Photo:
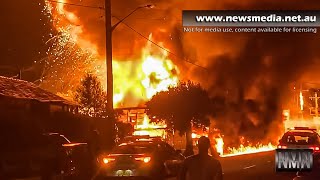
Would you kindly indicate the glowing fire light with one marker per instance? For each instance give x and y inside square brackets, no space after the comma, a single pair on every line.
[148,128]
[219,145]
[73,54]
[152,73]
[250,149]
[194,135]
[301,101]
[242,149]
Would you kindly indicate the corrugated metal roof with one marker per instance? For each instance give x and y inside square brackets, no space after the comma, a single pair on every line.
[20,89]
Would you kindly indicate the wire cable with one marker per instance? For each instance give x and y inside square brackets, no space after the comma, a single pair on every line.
[188,61]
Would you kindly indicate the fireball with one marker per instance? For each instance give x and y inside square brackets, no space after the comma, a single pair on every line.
[73,54]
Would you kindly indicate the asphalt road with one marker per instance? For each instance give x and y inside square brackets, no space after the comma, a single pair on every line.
[255,166]
[258,166]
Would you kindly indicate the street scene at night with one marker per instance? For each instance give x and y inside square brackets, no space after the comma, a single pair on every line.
[159,89]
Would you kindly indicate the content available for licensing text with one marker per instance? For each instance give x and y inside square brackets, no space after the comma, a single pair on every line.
[252,29]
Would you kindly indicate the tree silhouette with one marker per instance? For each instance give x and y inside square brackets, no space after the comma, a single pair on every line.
[181,107]
[91,96]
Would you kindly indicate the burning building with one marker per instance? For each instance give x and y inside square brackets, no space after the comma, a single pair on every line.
[302,110]
[141,122]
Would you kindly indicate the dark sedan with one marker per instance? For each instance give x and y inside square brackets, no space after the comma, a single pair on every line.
[145,158]
[33,155]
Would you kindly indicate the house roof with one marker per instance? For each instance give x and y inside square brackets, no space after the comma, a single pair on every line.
[20,89]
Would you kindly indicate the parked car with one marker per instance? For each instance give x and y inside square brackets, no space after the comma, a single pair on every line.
[77,152]
[301,138]
[24,155]
[151,158]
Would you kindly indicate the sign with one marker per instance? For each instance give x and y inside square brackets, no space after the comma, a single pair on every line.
[292,160]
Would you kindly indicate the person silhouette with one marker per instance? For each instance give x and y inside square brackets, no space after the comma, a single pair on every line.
[201,166]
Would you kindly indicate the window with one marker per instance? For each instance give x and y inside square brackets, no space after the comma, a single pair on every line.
[300,138]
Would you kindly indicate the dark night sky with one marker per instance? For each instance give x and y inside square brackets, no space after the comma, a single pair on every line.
[22,35]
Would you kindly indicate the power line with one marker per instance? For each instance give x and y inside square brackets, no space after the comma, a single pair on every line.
[79,5]
[162,47]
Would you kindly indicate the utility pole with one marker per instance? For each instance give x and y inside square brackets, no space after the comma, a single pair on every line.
[109,58]
[109,30]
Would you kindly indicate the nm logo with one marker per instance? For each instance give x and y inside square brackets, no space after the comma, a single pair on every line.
[294,160]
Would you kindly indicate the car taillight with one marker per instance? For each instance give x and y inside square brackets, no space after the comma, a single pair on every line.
[107,160]
[282,147]
[315,148]
[144,159]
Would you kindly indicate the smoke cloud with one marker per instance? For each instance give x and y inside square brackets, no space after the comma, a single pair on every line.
[251,72]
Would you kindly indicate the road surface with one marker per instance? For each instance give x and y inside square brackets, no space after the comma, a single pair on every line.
[257,166]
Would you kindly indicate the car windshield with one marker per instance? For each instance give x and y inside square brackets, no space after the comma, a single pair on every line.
[300,138]
[137,148]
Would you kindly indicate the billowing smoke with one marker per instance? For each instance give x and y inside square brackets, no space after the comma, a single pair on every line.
[247,73]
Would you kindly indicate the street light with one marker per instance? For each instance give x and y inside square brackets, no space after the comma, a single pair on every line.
[109,29]
[140,7]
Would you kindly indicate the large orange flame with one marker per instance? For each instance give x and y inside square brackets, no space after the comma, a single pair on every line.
[249,149]
[147,128]
[152,73]
[219,145]
[135,80]
[301,101]
[242,149]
